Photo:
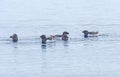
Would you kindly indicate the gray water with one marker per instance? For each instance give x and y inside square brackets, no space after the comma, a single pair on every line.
[78,57]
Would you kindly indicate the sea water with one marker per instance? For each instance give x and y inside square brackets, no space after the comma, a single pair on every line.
[77,57]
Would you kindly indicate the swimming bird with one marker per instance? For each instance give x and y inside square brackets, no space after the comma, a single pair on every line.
[90,34]
[14,37]
[44,39]
[64,36]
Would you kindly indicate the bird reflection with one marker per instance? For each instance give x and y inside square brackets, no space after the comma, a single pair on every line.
[43,46]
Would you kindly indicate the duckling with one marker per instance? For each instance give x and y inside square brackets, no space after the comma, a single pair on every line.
[89,34]
[44,39]
[14,37]
[64,36]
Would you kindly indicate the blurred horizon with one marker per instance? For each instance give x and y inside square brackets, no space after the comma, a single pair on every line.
[63,11]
